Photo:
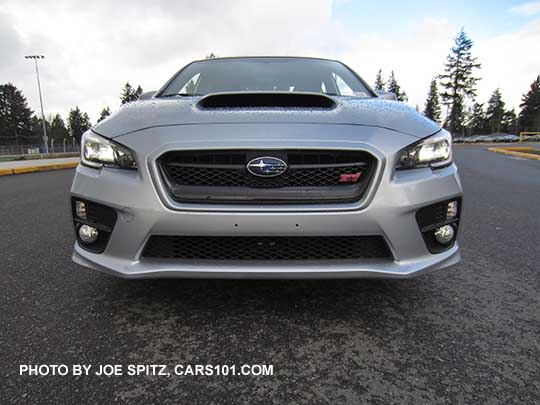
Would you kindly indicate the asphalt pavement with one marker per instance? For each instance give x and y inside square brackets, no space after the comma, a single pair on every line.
[469,334]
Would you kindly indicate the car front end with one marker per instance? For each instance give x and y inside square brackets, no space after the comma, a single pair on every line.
[266,185]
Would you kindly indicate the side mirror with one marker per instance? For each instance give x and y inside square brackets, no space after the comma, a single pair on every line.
[386,95]
[147,95]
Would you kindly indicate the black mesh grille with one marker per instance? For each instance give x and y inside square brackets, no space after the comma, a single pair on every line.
[267,248]
[313,177]
[192,175]
[434,214]
[100,214]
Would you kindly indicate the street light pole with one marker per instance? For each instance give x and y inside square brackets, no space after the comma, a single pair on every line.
[45,139]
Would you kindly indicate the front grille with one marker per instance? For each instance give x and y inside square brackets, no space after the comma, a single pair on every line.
[221,175]
[267,248]
[212,177]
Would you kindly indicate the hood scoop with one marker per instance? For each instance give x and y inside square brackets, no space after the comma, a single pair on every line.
[256,100]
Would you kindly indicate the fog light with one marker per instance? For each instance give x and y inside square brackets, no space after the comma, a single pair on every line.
[88,234]
[451,210]
[80,210]
[444,234]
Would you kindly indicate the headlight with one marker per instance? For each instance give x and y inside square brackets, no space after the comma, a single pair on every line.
[97,151]
[435,151]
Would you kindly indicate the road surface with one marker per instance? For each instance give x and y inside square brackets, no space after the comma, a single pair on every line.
[465,335]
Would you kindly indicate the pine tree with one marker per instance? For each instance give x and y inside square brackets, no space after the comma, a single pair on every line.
[138,92]
[432,109]
[529,116]
[210,56]
[104,114]
[393,87]
[15,116]
[78,123]
[495,111]
[458,81]
[129,94]
[58,130]
[379,81]
[477,120]
[456,119]
[509,122]
[37,130]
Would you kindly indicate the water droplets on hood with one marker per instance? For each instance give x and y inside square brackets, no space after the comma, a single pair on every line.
[388,114]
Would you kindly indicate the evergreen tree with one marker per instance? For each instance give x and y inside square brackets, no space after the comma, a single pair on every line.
[458,81]
[138,92]
[432,110]
[529,116]
[495,112]
[15,116]
[379,81]
[104,114]
[37,130]
[477,120]
[456,119]
[58,130]
[210,56]
[394,87]
[78,123]
[509,122]
[130,94]
[127,94]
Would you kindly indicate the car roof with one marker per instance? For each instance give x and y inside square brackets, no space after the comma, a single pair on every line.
[264,57]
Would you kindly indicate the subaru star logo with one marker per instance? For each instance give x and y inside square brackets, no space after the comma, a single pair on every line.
[266,166]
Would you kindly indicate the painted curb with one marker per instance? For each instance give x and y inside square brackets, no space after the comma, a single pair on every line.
[493,144]
[40,168]
[514,152]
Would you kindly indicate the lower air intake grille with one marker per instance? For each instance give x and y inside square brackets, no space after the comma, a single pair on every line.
[267,248]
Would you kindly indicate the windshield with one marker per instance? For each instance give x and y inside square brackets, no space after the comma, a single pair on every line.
[266,74]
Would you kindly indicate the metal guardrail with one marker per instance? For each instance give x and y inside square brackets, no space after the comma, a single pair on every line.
[35,149]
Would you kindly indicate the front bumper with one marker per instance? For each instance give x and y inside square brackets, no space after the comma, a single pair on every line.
[142,212]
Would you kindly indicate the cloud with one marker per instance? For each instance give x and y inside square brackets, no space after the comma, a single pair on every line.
[508,63]
[527,9]
[92,49]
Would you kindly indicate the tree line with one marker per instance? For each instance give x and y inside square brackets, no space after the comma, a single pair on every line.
[19,125]
[455,90]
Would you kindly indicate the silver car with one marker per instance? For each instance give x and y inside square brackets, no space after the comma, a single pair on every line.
[266,167]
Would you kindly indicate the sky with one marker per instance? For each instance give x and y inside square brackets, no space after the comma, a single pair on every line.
[92,48]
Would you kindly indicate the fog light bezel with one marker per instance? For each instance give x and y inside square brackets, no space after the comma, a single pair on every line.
[98,216]
[433,216]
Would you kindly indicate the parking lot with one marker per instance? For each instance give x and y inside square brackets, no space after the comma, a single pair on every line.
[469,334]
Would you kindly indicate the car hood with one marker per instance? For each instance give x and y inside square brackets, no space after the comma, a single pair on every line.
[373,112]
